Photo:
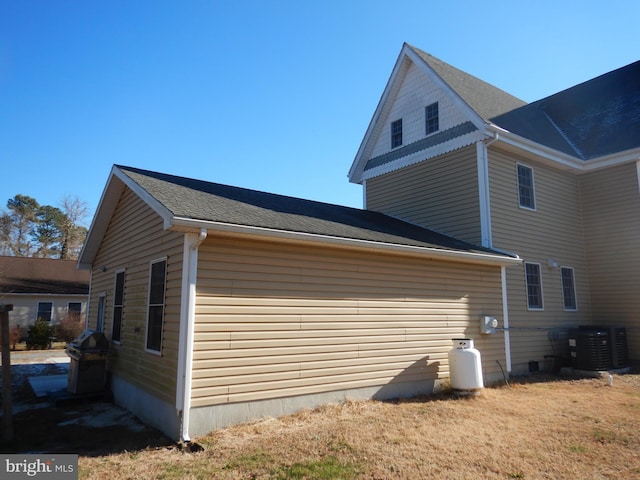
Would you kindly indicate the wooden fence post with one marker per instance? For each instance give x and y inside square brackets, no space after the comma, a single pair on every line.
[7,401]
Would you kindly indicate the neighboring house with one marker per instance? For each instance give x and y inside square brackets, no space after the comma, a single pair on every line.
[225,304]
[554,181]
[42,288]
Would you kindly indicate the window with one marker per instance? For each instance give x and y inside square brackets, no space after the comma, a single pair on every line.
[157,275]
[102,307]
[568,289]
[118,302]
[396,133]
[525,187]
[45,309]
[74,310]
[534,286]
[431,118]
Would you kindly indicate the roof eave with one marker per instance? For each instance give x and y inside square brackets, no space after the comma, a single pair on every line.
[188,224]
[116,183]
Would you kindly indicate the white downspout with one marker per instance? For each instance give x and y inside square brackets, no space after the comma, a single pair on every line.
[505,319]
[482,159]
[187,328]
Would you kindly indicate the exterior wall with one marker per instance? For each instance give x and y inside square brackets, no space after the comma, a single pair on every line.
[281,321]
[25,307]
[611,203]
[553,231]
[415,92]
[134,238]
[440,193]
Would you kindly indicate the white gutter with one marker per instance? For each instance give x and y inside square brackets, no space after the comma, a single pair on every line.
[428,252]
[187,327]
[505,319]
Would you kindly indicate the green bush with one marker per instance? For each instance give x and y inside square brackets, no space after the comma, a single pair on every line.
[39,335]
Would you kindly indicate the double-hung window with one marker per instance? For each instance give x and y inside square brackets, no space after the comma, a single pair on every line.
[45,311]
[431,118]
[396,133]
[568,289]
[155,315]
[526,192]
[534,286]
[118,307]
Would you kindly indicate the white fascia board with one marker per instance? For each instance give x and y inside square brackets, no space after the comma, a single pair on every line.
[558,158]
[536,148]
[154,204]
[456,99]
[110,196]
[188,224]
[359,162]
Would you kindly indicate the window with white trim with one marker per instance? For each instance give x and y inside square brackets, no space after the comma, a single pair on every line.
[102,308]
[45,311]
[526,193]
[534,286]
[568,289]
[396,133]
[118,307]
[155,313]
[431,118]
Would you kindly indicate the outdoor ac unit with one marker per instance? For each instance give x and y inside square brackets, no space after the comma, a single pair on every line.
[618,351]
[589,349]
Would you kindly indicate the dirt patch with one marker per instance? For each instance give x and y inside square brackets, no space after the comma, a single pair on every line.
[86,426]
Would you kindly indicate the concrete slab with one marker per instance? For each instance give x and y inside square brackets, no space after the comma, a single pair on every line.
[45,384]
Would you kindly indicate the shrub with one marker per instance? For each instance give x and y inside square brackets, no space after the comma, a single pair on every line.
[69,327]
[15,334]
[39,335]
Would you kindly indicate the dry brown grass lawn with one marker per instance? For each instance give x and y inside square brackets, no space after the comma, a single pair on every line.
[556,429]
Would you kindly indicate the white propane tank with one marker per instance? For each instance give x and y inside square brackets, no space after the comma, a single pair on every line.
[465,367]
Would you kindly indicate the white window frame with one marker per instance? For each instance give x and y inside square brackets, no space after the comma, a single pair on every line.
[526,281]
[573,285]
[50,320]
[149,305]
[533,187]
[116,305]
[401,123]
[426,118]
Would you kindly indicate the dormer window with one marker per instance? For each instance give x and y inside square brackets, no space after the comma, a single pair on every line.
[396,133]
[431,118]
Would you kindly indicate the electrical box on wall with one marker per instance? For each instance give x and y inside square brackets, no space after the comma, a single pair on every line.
[488,324]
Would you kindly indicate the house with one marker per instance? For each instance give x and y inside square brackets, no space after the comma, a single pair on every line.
[224,304]
[42,288]
[555,181]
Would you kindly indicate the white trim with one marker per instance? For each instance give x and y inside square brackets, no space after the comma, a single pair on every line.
[187,329]
[427,252]
[533,187]
[483,194]
[505,318]
[638,174]
[364,192]
[164,306]
[431,152]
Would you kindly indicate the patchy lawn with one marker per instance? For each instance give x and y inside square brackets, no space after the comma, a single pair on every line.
[541,428]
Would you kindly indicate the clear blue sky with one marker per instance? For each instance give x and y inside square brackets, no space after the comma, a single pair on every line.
[270,95]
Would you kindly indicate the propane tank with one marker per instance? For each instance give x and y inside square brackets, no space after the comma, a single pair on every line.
[465,368]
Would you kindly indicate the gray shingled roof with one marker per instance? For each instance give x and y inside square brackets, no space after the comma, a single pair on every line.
[42,276]
[592,119]
[213,202]
[485,99]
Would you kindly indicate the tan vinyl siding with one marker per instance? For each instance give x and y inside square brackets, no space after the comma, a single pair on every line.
[280,320]
[612,229]
[440,193]
[134,238]
[553,231]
